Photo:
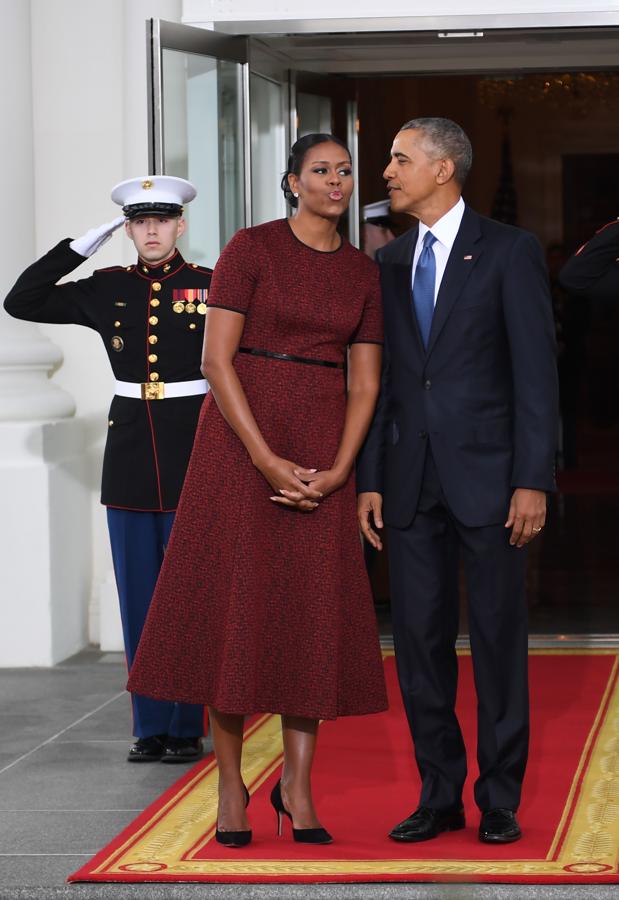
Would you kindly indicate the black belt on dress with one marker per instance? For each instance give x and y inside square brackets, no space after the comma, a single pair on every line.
[288,357]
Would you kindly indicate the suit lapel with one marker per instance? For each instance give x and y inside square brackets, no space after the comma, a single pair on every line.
[401,273]
[466,250]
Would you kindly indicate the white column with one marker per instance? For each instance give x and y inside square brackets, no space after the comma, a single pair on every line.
[43,549]
[135,162]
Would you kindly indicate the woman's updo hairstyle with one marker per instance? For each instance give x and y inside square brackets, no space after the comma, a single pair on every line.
[297,155]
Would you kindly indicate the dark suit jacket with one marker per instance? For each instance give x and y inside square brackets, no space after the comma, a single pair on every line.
[484,394]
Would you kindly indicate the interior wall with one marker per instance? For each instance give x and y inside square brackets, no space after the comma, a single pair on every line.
[541,132]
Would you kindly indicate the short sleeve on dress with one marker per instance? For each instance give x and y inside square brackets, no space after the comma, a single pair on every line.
[235,274]
[370,328]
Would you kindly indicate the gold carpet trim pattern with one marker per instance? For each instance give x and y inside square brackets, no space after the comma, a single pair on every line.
[586,842]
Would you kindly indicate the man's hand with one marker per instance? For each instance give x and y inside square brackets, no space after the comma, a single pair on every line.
[527,515]
[90,242]
[368,503]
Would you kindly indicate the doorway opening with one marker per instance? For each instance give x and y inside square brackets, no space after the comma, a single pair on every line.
[540,108]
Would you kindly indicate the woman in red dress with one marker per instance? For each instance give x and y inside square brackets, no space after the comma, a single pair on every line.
[263,603]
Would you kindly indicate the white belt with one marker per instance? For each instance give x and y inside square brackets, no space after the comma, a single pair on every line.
[160,390]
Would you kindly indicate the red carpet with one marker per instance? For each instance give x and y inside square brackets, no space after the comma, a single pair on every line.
[365,781]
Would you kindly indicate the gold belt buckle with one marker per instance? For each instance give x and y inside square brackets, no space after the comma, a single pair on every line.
[153,390]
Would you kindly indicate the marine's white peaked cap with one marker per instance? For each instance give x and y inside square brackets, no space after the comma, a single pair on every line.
[161,193]
[376,210]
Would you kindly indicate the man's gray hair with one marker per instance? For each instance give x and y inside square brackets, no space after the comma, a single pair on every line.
[445,140]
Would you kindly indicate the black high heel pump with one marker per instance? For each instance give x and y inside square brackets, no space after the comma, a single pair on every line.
[301,835]
[235,838]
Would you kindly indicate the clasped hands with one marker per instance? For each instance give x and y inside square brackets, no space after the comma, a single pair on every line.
[298,487]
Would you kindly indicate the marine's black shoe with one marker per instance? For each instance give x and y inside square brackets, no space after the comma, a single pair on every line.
[499,826]
[147,749]
[182,749]
[426,823]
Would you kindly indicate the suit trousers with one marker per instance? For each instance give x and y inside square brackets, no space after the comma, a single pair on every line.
[423,561]
[138,542]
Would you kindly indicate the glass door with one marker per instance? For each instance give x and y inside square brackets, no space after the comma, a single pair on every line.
[199,129]
[223,111]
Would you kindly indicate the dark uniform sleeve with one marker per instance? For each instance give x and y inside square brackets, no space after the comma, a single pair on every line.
[370,328]
[235,274]
[36,297]
[594,269]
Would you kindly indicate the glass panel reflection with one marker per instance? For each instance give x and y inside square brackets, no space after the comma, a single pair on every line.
[203,141]
[268,149]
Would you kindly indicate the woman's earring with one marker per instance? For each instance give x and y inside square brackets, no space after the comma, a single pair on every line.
[295,194]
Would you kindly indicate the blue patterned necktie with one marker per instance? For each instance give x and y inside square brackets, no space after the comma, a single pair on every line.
[423,287]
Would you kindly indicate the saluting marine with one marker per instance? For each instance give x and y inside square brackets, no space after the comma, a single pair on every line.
[150,316]
[594,268]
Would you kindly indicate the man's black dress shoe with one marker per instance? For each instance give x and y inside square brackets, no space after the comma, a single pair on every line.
[147,749]
[499,826]
[182,750]
[426,823]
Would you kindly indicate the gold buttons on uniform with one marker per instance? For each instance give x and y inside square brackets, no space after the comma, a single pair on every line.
[154,302]
[152,357]
[153,320]
[154,376]
[156,286]
[152,339]
[110,422]
[117,324]
[128,269]
[192,325]
[193,265]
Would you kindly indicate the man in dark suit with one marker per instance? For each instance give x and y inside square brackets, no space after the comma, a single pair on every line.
[461,449]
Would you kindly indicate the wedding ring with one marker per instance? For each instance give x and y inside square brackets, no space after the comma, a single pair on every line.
[537,530]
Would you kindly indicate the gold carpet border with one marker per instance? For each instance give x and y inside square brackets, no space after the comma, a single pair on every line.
[590,846]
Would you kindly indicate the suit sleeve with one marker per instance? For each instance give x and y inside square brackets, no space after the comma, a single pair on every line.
[370,460]
[527,310]
[35,296]
[594,269]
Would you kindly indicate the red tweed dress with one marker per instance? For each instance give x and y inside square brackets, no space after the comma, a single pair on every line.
[258,607]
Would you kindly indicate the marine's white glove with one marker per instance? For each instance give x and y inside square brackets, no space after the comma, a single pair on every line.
[90,242]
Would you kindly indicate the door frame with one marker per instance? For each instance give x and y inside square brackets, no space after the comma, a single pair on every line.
[254,58]
[162,35]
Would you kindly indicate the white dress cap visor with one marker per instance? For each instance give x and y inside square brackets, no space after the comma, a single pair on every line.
[376,210]
[154,189]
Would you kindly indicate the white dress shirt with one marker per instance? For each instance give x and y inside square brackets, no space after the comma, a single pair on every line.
[445,231]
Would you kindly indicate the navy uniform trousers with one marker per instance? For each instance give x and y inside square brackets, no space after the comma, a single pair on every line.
[138,541]
[423,565]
